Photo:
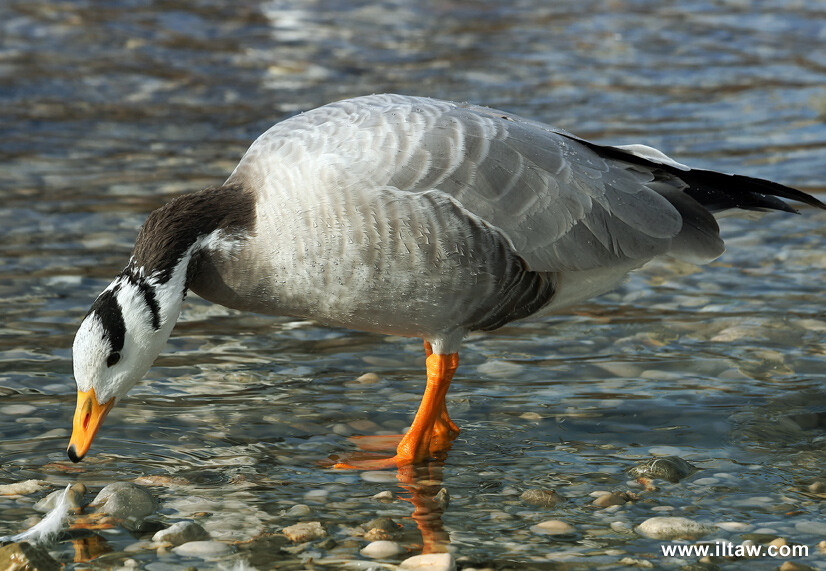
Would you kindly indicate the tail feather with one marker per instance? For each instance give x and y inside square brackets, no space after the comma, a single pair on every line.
[716,191]
[720,191]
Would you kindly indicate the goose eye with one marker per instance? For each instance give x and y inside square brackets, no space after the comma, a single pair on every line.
[112,359]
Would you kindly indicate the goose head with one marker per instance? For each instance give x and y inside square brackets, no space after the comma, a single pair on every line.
[114,347]
[129,322]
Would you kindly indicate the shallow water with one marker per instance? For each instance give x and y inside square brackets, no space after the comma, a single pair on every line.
[108,111]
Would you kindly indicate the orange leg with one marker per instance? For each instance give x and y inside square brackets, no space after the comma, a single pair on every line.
[432,430]
[444,430]
[429,421]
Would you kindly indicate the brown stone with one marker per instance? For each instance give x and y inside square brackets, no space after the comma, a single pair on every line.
[26,557]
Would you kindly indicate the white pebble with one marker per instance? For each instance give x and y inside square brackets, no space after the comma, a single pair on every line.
[22,488]
[665,451]
[319,495]
[381,549]
[552,527]
[430,562]
[202,549]
[378,476]
[672,528]
[385,496]
[368,379]
[17,409]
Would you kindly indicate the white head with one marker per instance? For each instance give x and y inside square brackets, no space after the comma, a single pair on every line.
[129,323]
[116,344]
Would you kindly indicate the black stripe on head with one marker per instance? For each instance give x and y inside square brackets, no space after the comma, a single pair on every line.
[148,293]
[108,310]
[149,297]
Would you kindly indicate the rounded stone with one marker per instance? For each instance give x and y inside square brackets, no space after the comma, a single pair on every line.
[541,498]
[73,498]
[17,409]
[381,549]
[368,379]
[818,487]
[669,468]
[429,562]
[299,510]
[672,528]
[385,496]
[203,549]
[305,531]
[181,532]
[125,500]
[21,556]
[610,499]
[553,527]
[22,488]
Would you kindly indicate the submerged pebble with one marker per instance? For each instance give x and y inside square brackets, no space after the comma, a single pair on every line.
[553,527]
[305,531]
[541,498]
[181,532]
[669,468]
[125,500]
[203,549]
[429,562]
[74,497]
[22,488]
[26,557]
[612,499]
[299,510]
[382,549]
[662,527]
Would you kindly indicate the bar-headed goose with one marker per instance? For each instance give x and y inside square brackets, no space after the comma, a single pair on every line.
[408,216]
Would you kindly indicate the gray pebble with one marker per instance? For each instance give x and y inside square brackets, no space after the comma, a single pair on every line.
[48,503]
[125,500]
[541,498]
[670,468]
[203,549]
[181,532]
[299,510]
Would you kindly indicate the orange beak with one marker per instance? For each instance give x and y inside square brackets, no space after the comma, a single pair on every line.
[89,415]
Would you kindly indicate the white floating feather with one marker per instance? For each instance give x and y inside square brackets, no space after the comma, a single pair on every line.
[46,531]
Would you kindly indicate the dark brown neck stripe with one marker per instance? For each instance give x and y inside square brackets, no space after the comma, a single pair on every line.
[173,228]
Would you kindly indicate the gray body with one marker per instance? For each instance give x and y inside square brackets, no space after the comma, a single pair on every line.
[426,218]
